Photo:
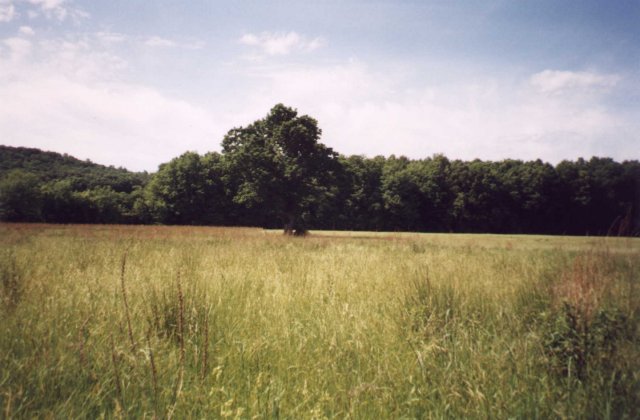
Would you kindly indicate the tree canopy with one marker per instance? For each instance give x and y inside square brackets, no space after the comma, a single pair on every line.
[279,160]
[276,173]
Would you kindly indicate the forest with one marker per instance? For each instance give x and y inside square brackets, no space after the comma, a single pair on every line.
[275,173]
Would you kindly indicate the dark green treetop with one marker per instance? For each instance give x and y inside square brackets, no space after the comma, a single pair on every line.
[279,165]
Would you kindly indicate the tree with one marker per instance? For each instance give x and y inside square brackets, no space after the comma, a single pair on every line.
[278,166]
[20,197]
[400,194]
[361,203]
[63,205]
[479,203]
[104,205]
[187,190]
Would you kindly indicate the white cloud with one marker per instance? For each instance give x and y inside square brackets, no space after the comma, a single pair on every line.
[555,81]
[281,43]
[82,59]
[7,11]
[56,9]
[118,124]
[27,30]
[156,41]
[365,111]
[68,96]
[19,48]
[107,37]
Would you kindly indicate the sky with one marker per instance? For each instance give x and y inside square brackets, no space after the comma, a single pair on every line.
[136,83]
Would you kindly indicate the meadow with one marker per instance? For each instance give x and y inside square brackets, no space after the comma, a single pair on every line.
[195,322]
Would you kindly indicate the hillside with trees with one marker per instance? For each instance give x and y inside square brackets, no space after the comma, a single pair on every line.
[275,173]
[39,186]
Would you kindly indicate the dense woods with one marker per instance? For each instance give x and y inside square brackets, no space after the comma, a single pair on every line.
[275,173]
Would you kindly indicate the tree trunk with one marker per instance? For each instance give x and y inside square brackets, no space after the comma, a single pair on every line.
[293,226]
[289,224]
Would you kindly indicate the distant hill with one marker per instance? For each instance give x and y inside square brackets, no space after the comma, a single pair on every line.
[84,175]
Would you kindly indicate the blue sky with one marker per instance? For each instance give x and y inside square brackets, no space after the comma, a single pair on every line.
[136,83]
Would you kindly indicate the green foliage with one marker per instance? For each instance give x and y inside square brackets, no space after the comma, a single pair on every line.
[82,175]
[20,197]
[188,191]
[579,345]
[279,160]
[359,202]
[47,186]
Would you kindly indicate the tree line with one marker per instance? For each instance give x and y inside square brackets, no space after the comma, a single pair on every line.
[275,173]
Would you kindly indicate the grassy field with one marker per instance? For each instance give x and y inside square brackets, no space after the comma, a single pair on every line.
[181,322]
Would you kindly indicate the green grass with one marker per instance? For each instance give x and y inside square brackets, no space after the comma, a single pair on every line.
[251,324]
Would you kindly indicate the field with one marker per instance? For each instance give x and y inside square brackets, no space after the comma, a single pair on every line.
[188,322]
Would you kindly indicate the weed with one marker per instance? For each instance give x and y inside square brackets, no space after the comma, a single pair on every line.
[154,373]
[125,301]
[583,330]
[116,371]
[205,350]
[11,280]
[432,307]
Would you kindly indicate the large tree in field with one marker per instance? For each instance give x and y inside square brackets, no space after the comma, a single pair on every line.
[278,165]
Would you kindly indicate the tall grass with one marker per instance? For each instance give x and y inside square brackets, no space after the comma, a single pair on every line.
[205,322]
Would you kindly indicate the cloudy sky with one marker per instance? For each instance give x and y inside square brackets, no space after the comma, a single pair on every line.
[135,83]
